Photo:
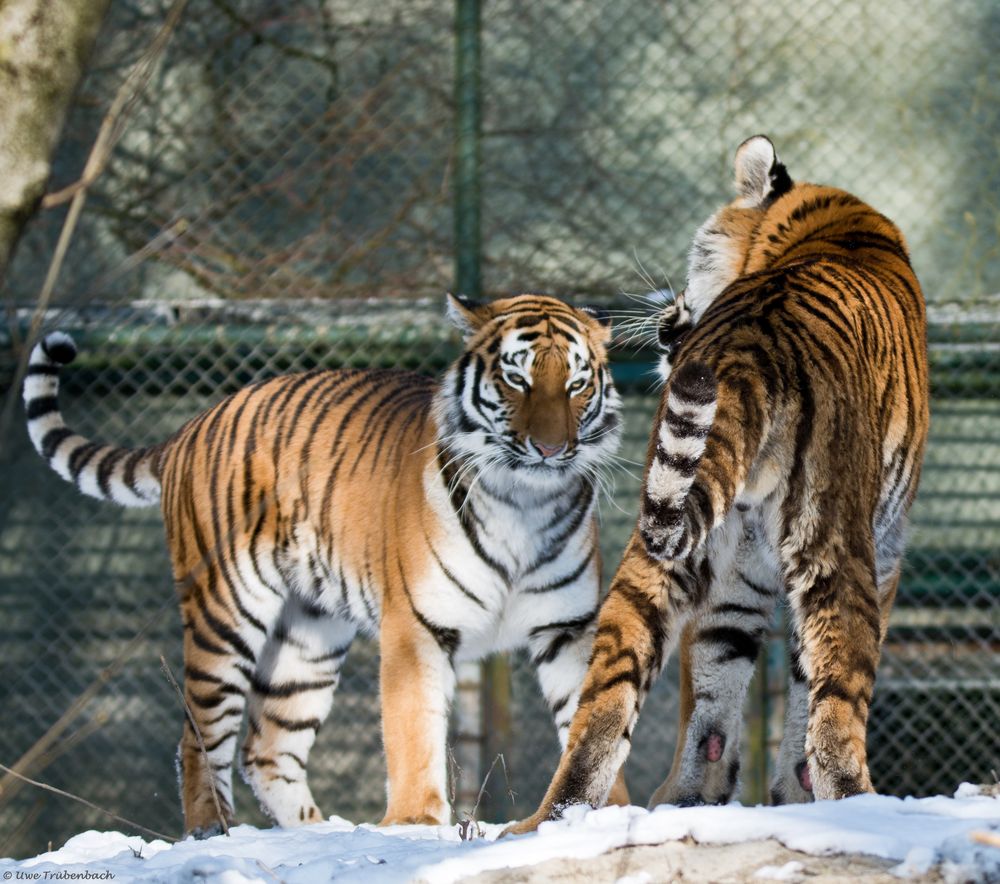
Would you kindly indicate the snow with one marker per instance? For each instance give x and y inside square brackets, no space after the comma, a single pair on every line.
[917,833]
[788,872]
[917,861]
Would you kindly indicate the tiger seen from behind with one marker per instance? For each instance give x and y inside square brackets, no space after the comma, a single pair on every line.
[784,456]
[449,519]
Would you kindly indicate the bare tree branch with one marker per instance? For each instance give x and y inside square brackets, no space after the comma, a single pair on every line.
[165,666]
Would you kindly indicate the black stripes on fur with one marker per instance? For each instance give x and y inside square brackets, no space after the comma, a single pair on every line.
[781,182]
[91,466]
[680,443]
[694,382]
[52,440]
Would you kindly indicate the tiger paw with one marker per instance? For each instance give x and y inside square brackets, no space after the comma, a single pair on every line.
[200,833]
[415,818]
[526,825]
[424,819]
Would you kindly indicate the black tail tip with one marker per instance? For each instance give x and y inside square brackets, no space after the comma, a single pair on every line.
[695,382]
[59,347]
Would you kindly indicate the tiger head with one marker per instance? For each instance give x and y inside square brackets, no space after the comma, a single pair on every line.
[531,396]
[775,220]
[718,252]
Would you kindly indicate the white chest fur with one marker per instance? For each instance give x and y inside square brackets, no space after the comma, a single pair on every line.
[508,561]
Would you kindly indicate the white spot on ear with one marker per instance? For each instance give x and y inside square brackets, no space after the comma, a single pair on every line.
[755,158]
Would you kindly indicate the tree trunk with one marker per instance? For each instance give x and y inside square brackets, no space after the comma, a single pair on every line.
[44,46]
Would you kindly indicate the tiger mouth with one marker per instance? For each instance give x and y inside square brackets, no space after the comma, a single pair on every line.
[525,458]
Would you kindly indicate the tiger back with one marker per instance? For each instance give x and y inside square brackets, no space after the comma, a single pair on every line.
[448,518]
[784,456]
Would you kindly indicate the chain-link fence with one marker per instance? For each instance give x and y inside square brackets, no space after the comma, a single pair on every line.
[283,197]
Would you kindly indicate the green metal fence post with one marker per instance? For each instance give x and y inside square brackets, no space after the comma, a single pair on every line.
[755,768]
[766,712]
[468,280]
[497,737]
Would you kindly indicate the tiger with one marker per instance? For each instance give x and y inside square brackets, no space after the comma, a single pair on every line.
[784,457]
[449,519]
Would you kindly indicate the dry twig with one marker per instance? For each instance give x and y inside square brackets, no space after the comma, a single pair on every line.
[469,827]
[201,743]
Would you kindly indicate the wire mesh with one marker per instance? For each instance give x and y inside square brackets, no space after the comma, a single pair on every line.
[282,199]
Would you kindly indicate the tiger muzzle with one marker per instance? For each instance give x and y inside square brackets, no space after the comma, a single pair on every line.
[548,450]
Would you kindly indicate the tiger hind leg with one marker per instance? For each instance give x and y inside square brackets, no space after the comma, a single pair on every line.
[290,697]
[792,783]
[719,649]
[560,651]
[839,625]
[220,655]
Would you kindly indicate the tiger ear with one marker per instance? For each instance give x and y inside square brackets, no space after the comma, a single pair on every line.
[760,177]
[599,321]
[466,315]
[600,314]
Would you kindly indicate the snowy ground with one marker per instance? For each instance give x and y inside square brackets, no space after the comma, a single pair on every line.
[924,839]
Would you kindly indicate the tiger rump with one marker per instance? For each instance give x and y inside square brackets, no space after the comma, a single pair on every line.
[784,457]
[824,254]
[449,519]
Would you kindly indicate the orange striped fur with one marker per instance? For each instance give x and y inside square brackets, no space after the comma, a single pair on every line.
[450,519]
[784,457]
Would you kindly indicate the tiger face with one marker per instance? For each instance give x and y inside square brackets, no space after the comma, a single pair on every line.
[532,395]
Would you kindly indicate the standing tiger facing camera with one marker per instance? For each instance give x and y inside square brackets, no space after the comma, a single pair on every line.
[449,519]
[784,457]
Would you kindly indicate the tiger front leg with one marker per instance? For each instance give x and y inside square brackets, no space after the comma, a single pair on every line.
[706,763]
[792,782]
[633,627]
[417,681]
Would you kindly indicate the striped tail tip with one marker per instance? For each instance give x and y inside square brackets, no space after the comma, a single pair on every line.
[57,347]
[41,381]
[664,522]
[121,475]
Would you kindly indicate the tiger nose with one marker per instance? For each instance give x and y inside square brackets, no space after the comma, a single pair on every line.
[548,450]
